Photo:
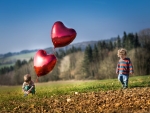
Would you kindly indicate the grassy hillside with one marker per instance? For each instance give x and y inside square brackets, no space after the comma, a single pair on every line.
[79,96]
[12,59]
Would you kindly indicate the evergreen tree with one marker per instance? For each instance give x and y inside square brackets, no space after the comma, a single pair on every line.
[2,71]
[104,45]
[95,54]
[118,42]
[79,49]
[11,68]
[110,46]
[62,53]
[99,45]
[31,59]
[136,41]
[95,61]
[115,45]
[23,62]
[57,55]
[130,42]
[87,62]
[18,64]
[124,39]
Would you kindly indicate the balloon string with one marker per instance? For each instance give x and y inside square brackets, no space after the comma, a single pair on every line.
[37,79]
[54,51]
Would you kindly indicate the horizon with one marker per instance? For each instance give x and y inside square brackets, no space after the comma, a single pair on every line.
[52,47]
[26,24]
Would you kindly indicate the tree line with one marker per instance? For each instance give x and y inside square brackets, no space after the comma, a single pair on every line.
[95,62]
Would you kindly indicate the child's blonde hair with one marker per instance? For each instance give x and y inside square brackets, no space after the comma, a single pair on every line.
[27,78]
[122,51]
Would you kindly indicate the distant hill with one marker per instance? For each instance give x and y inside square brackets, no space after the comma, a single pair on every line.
[10,58]
[16,53]
[81,45]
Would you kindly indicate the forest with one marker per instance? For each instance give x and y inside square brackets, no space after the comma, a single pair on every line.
[94,63]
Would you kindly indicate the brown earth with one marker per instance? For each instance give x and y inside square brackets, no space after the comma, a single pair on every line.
[132,100]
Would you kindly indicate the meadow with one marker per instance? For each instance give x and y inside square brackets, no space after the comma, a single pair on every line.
[79,96]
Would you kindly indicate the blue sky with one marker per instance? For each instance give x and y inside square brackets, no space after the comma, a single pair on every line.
[26,24]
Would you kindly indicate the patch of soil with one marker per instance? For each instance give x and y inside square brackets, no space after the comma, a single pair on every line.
[132,100]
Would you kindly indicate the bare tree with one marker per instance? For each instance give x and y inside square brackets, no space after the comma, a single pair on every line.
[144,37]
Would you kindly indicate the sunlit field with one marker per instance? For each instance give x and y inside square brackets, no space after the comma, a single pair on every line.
[76,96]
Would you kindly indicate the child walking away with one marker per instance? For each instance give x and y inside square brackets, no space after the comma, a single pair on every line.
[28,85]
[124,67]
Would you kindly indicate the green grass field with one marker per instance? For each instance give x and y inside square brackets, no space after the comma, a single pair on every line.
[11,97]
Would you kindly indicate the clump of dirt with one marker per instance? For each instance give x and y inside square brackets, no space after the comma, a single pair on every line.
[132,100]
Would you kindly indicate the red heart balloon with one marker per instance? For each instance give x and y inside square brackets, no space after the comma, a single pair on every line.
[61,35]
[43,63]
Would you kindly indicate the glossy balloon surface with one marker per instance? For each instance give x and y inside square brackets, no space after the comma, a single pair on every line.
[43,63]
[61,35]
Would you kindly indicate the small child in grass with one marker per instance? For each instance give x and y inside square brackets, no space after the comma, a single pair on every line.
[28,85]
[124,67]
